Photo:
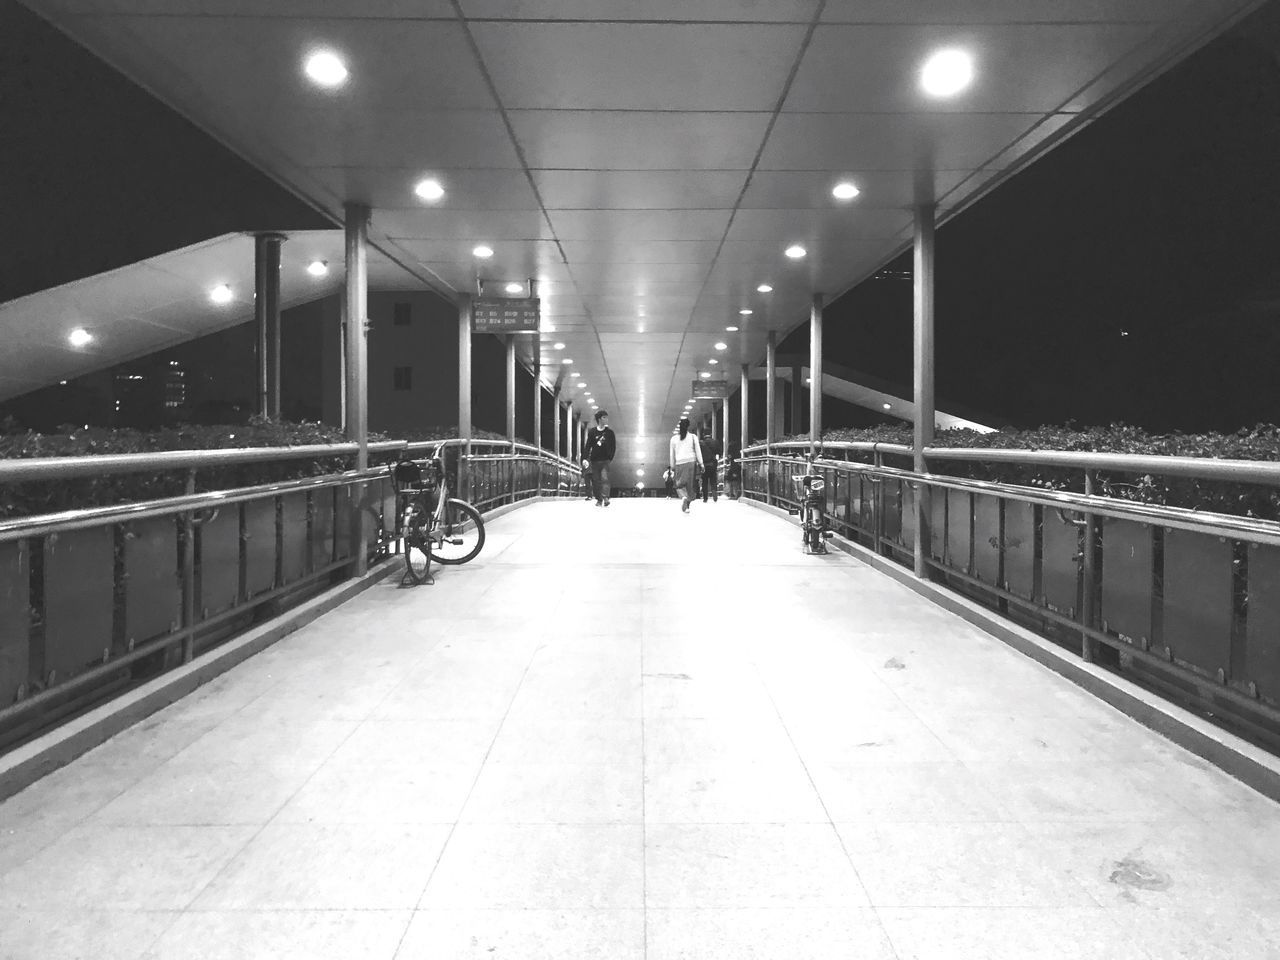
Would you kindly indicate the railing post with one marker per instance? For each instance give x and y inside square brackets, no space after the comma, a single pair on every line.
[877,504]
[464,394]
[1089,600]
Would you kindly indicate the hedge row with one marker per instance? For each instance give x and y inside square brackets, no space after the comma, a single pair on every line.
[26,499]
[1261,442]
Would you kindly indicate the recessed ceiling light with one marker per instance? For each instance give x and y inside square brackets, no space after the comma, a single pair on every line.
[317,268]
[946,73]
[558,346]
[78,338]
[722,346]
[566,360]
[704,375]
[429,189]
[745,312]
[844,191]
[764,288]
[575,373]
[326,68]
[795,252]
[731,329]
[713,360]
[639,473]
[220,294]
[515,287]
[887,406]
[482,252]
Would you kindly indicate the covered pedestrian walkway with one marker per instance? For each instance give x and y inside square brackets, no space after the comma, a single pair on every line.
[625,733]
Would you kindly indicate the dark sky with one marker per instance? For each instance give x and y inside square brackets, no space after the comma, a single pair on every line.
[1160,220]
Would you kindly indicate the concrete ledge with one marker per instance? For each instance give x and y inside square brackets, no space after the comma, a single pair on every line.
[27,764]
[1244,761]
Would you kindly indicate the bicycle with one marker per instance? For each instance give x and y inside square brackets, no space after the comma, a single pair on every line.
[811,494]
[433,524]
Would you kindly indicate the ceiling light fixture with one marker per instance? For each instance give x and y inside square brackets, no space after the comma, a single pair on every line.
[704,375]
[79,337]
[566,360]
[731,329]
[713,360]
[795,252]
[515,287]
[746,312]
[844,191]
[483,252]
[764,288]
[317,268]
[429,190]
[946,73]
[557,346]
[221,294]
[722,346]
[326,68]
[887,406]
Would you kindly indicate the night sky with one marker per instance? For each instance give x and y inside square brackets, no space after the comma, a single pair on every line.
[1132,274]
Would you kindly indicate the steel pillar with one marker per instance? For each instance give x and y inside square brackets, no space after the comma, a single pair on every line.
[797,413]
[464,393]
[815,374]
[511,388]
[266,310]
[356,368]
[537,396]
[923,371]
[555,424]
[743,432]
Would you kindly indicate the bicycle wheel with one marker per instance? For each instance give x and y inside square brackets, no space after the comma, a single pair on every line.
[417,556]
[459,535]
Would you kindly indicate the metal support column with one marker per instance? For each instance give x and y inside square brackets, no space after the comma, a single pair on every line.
[464,394]
[266,309]
[537,396]
[797,408]
[511,388]
[357,364]
[1089,601]
[555,425]
[815,374]
[923,370]
[743,432]
[770,400]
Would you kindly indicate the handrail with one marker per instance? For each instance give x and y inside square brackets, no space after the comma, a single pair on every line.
[22,470]
[19,528]
[1205,468]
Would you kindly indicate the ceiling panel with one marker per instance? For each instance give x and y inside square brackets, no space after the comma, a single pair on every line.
[750,10]
[622,251]
[806,141]
[811,189]
[1001,11]
[640,225]
[589,140]
[614,66]
[847,223]
[473,226]
[392,187]
[638,273]
[639,189]
[1019,69]
[524,258]
[256,9]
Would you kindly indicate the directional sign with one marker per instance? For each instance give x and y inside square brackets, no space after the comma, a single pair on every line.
[709,390]
[504,316]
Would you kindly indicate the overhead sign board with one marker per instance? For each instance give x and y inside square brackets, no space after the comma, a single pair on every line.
[504,316]
[709,390]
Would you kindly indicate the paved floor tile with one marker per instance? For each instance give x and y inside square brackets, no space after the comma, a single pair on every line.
[523,934]
[282,935]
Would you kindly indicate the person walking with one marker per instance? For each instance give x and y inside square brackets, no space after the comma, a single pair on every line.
[710,449]
[733,474]
[686,461]
[601,446]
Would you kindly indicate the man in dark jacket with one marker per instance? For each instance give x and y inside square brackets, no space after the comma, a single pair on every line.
[600,448]
[710,461]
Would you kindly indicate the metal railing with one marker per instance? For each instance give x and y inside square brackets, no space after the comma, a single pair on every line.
[93,600]
[1187,600]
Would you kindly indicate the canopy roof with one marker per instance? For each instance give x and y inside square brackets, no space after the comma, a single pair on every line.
[646,161]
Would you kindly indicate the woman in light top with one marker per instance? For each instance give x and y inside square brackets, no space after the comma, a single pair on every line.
[686,457]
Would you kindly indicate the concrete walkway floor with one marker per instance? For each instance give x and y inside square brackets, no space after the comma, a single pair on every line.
[627,733]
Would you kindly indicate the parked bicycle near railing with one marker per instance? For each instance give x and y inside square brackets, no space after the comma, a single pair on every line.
[433,524]
[811,497]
